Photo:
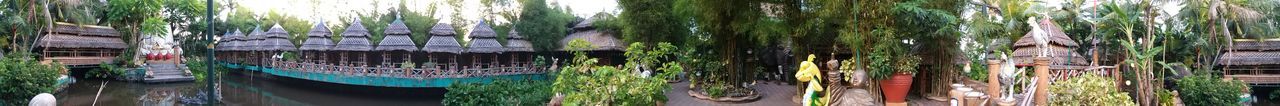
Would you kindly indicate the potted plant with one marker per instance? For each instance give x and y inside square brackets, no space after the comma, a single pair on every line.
[890,64]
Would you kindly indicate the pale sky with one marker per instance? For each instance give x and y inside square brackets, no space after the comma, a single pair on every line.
[331,10]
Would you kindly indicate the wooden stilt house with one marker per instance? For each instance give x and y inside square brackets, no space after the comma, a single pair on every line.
[317,43]
[1256,62]
[80,45]
[275,41]
[484,47]
[607,47]
[396,47]
[442,50]
[354,45]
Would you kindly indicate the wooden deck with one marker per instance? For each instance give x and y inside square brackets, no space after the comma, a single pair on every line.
[1265,79]
[78,61]
[392,77]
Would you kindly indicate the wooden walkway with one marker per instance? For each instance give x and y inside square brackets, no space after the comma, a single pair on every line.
[392,77]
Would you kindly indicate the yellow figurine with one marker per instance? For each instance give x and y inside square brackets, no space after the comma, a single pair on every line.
[809,73]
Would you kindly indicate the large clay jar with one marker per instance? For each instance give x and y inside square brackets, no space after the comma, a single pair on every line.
[895,88]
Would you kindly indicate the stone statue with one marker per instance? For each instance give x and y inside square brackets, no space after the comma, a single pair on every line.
[809,72]
[43,99]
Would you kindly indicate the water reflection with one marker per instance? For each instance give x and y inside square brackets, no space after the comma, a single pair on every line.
[245,89]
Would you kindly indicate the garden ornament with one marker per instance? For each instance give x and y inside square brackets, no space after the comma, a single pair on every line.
[1008,74]
[43,99]
[1041,38]
[809,72]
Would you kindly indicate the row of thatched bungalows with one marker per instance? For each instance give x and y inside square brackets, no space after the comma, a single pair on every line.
[396,54]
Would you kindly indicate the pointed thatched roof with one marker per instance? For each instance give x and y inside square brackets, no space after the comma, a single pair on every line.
[234,40]
[277,39]
[317,39]
[484,40]
[356,38]
[252,40]
[517,42]
[442,40]
[397,38]
[1063,47]
[587,24]
[602,41]
[224,43]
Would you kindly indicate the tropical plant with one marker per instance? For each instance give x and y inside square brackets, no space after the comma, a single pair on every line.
[1088,90]
[1208,90]
[24,78]
[584,83]
[535,22]
[499,93]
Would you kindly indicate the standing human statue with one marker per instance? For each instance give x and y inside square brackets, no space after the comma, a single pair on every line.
[809,72]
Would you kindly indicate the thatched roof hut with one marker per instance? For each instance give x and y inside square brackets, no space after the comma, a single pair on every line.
[442,40]
[224,43]
[517,42]
[355,38]
[1252,53]
[397,38]
[277,39]
[317,39]
[67,35]
[233,38]
[1062,53]
[1252,61]
[602,41]
[253,40]
[484,40]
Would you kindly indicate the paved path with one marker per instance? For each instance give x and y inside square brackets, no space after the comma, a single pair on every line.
[773,95]
[780,95]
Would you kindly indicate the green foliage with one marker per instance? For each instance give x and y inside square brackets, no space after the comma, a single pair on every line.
[499,93]
[419,22]
[1207,90]
[889,56]
[22,79]
[977,71]
[651,21]
[107,70]
[199,70]
[537,21]
[1088,90]
[584,83]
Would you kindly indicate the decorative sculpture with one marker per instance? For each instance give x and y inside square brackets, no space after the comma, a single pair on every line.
[1040,36]
[809,73]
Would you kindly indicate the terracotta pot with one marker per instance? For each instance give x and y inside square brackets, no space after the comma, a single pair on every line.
[895,88]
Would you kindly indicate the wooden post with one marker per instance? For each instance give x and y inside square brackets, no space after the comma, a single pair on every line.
[993,82]
[1042,85]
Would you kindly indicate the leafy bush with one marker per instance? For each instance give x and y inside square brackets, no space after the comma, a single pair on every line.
[108,70]
[584,83]
[22,79]
[1088,90]
[1206,90]
[500,92]
[977,71]
[198,68]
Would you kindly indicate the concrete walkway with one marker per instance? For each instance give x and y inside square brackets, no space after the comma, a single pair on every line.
[772,95]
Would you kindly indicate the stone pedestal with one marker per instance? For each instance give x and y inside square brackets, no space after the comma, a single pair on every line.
[1042,84]
[993,79]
